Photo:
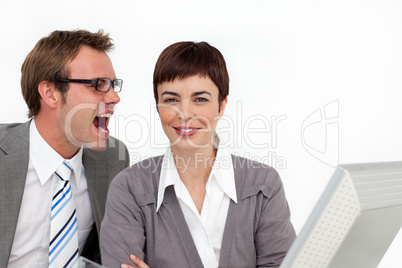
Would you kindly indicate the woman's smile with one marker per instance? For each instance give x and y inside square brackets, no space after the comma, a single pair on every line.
[186,131]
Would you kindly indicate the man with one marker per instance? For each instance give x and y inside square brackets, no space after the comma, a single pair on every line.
[70,87]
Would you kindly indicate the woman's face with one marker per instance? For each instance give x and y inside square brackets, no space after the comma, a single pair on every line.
[189,110]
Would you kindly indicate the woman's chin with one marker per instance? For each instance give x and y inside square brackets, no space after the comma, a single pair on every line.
[189,145]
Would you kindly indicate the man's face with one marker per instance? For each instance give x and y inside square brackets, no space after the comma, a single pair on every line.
[85,115]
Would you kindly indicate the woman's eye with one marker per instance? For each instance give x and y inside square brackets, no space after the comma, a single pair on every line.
[170,100]
[201,100]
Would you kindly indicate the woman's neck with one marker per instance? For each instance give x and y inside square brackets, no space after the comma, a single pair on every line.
[194,166]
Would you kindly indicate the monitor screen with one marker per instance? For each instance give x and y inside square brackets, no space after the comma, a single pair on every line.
[354,221]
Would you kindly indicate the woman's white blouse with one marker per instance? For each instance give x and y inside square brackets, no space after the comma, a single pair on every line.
[206,228]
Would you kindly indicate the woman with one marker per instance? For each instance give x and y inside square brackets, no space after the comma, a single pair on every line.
[197,205]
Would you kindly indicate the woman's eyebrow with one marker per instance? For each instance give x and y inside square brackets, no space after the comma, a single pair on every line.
[200,93]
[170,93]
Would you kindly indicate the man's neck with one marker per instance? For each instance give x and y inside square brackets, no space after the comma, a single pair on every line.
[55,137]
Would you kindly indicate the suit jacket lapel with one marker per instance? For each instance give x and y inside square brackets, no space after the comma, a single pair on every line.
[14,167]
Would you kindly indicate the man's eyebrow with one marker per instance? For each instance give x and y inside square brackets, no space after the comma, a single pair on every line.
[200,93]
[170,93]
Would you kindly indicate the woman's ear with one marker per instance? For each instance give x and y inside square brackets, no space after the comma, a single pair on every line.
[49,94]
[222,106]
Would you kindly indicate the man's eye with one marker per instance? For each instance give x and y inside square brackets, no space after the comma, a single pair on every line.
[101,82]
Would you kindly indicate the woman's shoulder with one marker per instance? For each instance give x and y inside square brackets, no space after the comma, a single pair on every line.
[246,165]
[151,164]
[141,176]
[252,174]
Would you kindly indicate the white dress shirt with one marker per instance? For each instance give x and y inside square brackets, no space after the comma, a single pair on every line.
[31,241]
[206,228]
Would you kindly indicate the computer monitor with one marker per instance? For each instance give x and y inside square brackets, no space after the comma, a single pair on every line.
[85,263]
[355,220]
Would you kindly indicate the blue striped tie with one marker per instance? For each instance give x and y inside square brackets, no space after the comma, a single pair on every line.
[63,246]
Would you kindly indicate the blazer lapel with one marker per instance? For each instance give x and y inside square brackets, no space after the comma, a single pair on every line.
[171,203]
[14,166]
[232,220]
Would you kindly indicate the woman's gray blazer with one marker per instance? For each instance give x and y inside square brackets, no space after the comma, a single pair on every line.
[258,231]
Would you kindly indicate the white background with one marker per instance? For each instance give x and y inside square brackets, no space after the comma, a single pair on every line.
[289,60]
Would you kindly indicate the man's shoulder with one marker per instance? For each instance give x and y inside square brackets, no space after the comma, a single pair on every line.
[7,128]
[14,134]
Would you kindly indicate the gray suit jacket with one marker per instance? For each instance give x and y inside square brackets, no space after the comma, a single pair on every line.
[100,169]
[258,231]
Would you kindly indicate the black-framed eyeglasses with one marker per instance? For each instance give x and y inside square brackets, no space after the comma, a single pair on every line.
[100,84]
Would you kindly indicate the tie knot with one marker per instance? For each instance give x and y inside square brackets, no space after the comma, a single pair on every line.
[64,171]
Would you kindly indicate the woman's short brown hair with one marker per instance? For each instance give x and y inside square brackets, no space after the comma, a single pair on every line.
[184,59]
[47,61]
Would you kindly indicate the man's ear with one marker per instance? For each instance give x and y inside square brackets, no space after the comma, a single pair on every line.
[49,94]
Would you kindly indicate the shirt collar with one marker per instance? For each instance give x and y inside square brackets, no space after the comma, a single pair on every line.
[46,160]
[222,171]
[76,164]
[168,176]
